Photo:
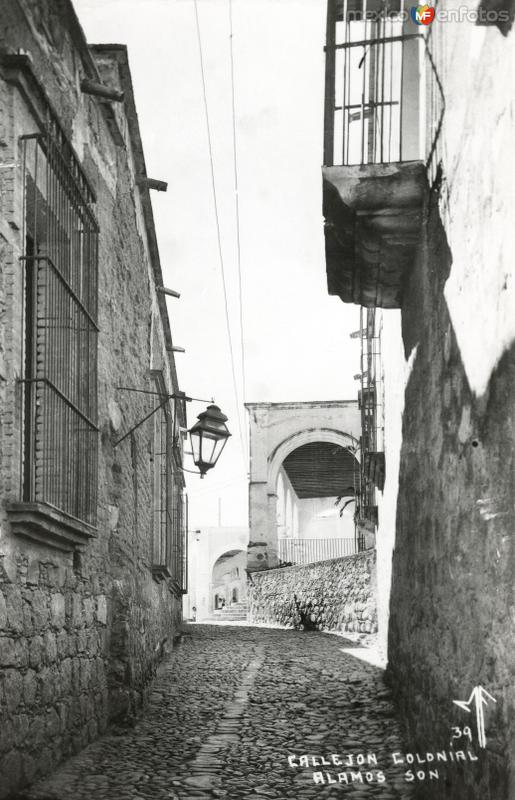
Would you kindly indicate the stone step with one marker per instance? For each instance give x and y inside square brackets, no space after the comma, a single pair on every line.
[234,613]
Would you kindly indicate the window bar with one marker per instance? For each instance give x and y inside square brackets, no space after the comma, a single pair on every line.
[64,333]
[50,444]
[383,54]
[60,342]
[390,95]
[185,528]
[176,539]
[31,334]
[375,109]
[348,64]
[401,98]
[40,313]
[378,40]
[168,483]
[364,64]
[173,528]
[24,312]
[50,310]
[179,539]
[330,84]
[163,489]
[345,99]
[44,322]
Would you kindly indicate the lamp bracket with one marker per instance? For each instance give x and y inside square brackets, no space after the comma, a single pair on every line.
[167,397]
[173,396]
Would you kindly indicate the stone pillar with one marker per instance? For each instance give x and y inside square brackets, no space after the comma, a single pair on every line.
[262,549]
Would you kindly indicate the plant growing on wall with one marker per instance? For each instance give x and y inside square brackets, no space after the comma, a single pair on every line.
[344,500]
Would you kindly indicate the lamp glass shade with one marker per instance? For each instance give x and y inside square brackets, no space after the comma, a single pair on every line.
[208,438]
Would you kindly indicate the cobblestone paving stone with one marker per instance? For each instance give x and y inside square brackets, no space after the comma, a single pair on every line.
[227,708]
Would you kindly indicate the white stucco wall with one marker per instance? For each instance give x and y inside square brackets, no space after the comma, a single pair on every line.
[320,519]
[396,371]
[478,195]
[205,546]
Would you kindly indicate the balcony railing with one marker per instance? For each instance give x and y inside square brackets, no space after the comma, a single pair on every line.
[373,76]
[308,551]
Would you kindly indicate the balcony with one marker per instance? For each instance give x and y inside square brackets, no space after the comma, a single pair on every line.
[374,178]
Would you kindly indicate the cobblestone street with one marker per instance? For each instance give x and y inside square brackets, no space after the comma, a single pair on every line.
[228,708]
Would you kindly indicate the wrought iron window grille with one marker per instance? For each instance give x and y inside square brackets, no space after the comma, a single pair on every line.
[60,267]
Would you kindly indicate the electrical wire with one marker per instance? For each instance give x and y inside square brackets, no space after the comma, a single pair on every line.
[217,221]
[237,211]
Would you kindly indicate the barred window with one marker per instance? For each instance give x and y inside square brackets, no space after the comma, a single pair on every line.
[373,84]
[170,502]
[60,440]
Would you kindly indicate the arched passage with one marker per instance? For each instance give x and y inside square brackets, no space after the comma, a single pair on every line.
[314,440]
[310,526]
[297,440]
[229,579]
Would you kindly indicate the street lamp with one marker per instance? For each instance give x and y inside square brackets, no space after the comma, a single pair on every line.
[208,438]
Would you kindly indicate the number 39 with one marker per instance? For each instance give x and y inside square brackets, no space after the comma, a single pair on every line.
[457,733]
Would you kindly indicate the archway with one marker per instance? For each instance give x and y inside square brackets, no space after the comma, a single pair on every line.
[278,430]
[315,435]
[228,579]
[317,487]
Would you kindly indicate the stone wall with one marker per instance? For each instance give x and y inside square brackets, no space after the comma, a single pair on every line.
[336,595]
[52,659]
[82,628]
[452,613]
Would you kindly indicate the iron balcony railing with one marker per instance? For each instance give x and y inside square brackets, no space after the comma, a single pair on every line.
[373,84]
[308,551]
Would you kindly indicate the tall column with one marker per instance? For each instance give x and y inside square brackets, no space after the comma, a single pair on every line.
[262,550]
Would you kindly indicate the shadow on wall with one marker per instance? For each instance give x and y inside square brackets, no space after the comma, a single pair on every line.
[452,612]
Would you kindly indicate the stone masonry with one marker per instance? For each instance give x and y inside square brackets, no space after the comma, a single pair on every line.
[337,595]
[453,561]
[452,604]
[82,628]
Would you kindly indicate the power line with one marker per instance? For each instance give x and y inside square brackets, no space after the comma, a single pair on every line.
[217,220]
[237,209]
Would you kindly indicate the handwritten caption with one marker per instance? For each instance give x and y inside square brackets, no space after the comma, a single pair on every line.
[367,767]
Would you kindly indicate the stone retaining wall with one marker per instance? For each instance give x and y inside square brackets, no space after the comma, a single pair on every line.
[335,595]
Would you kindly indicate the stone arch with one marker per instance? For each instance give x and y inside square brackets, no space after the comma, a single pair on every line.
[277,458]
[276,430]
[227,547]
[329,435]
[231,586]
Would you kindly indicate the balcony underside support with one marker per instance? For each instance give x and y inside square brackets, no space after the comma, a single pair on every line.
[373,218]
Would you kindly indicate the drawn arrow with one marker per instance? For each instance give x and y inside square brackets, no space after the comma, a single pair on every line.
[480,697]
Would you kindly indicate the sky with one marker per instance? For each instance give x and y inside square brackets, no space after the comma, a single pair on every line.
[296,337]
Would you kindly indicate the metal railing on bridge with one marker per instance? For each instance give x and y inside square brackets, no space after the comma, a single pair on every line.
[307,551]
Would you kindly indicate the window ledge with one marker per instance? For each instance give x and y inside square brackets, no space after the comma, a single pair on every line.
[48,525]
